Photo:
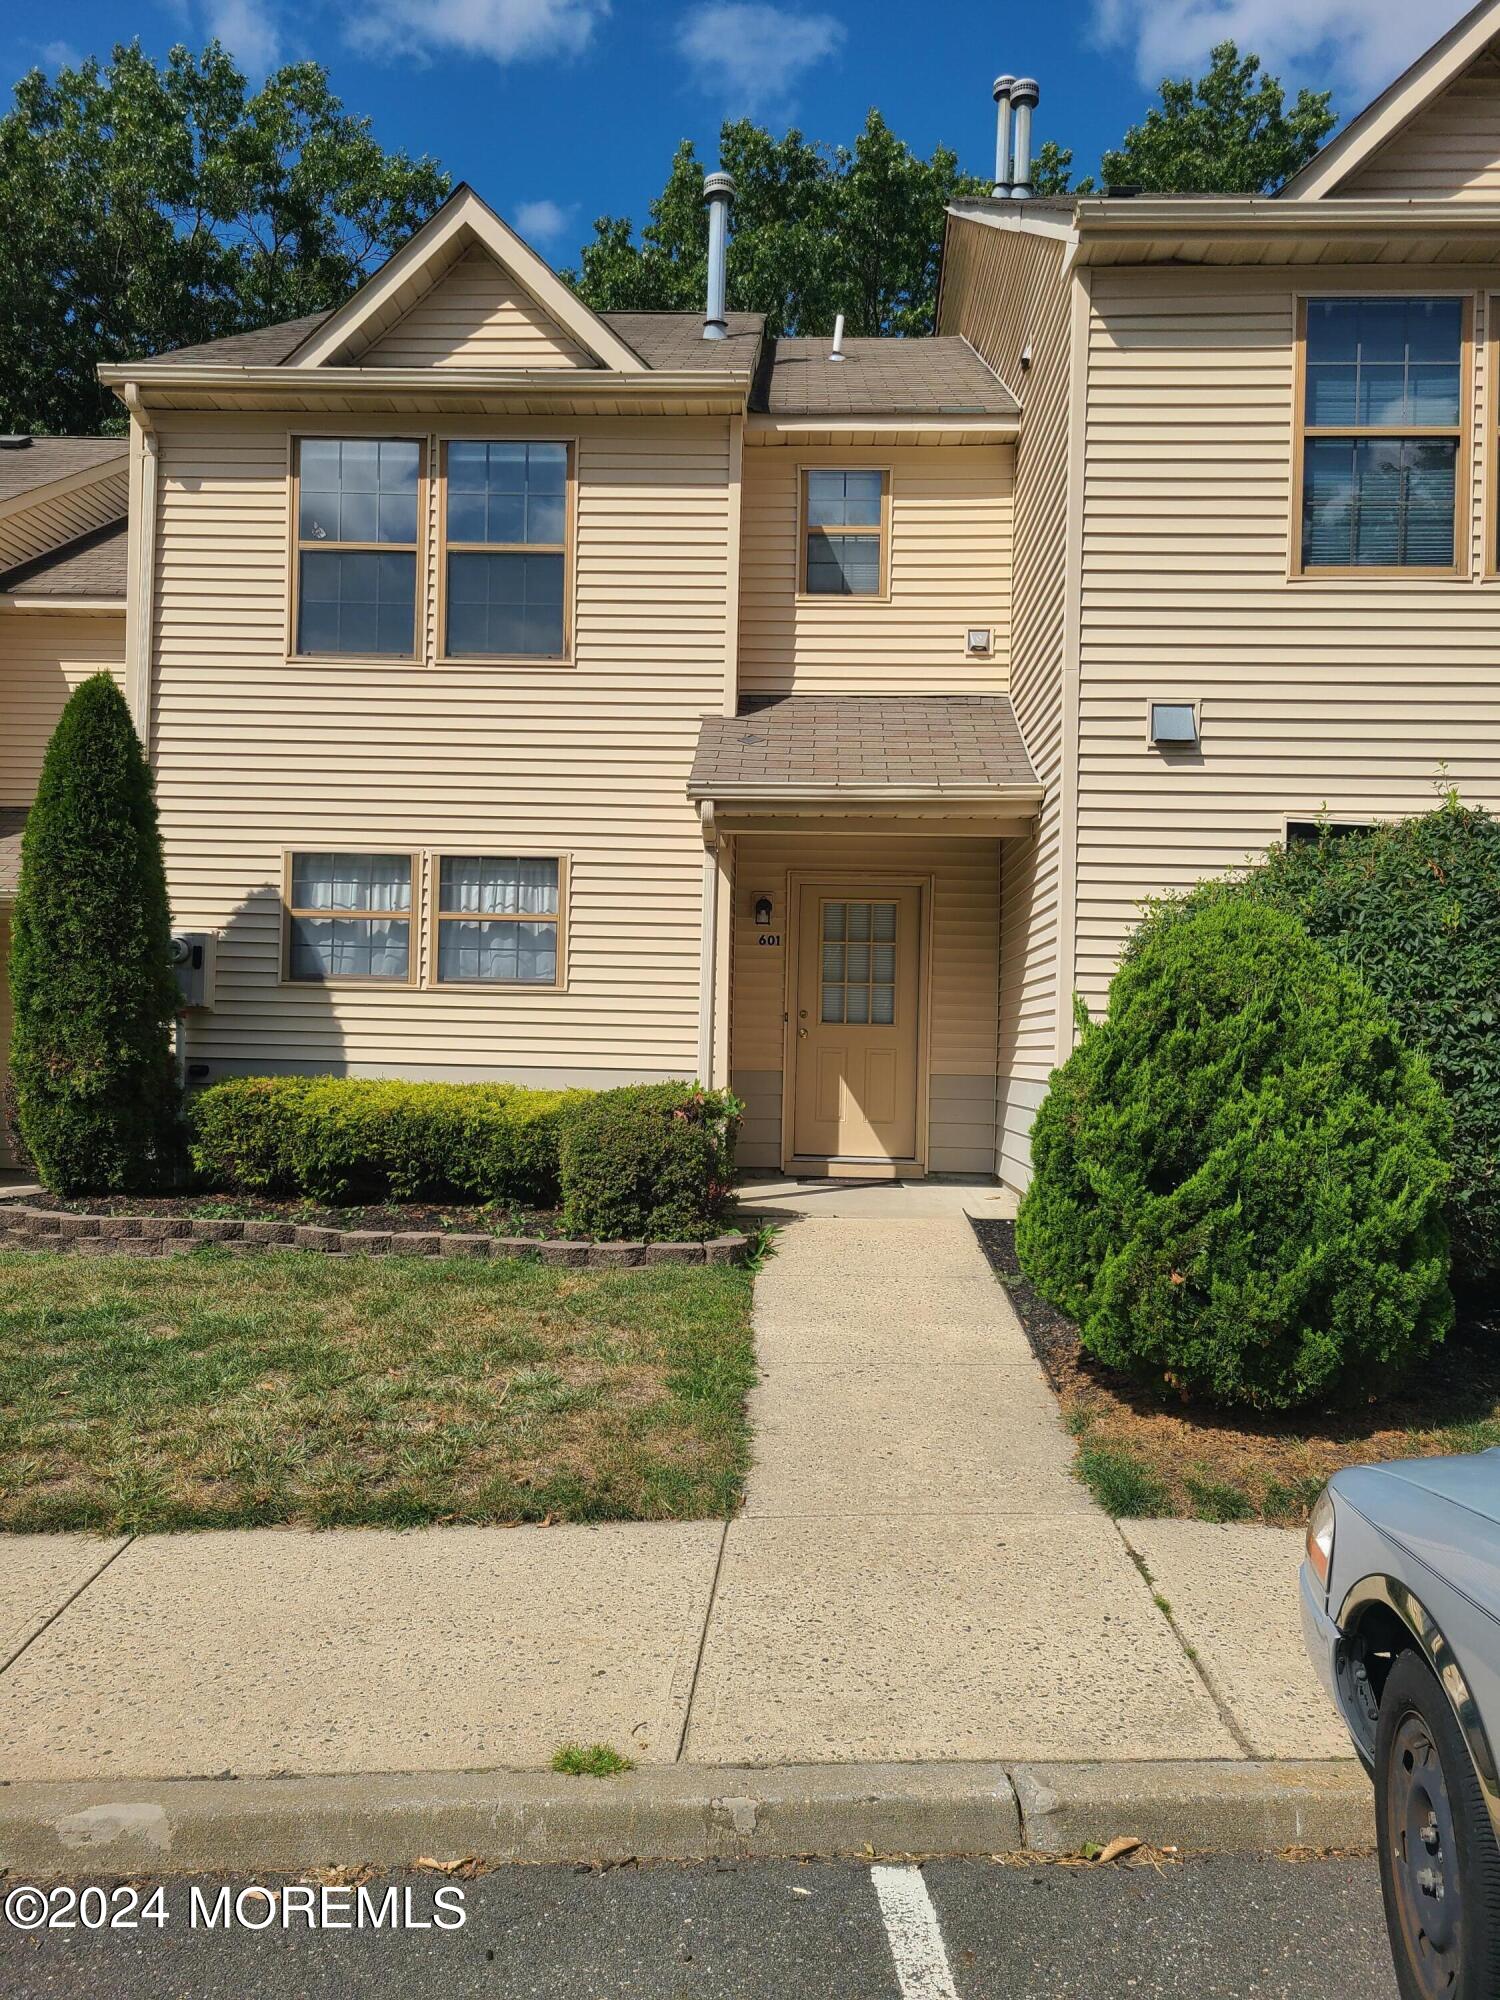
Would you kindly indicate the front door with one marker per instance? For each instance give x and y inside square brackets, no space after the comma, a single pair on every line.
[855,1040]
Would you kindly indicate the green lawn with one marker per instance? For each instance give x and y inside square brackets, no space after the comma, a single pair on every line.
[215,1390]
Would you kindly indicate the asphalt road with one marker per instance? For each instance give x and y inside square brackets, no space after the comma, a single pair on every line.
[1227,1926]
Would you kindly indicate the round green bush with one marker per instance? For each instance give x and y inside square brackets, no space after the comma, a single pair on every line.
[649,1162]
[1414,907]
[1239,1174]
[91,977]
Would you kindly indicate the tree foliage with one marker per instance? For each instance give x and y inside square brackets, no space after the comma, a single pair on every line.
[817,231]
[151,207]
[1227,133]
[1239,1174]
[90,971]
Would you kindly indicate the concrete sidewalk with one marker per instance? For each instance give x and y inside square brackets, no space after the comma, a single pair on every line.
[916,1578]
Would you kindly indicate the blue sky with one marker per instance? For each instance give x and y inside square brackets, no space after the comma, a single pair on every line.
[559,110]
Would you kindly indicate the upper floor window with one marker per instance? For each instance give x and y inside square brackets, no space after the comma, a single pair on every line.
[1383,406]
[845,533]
[506,515]
[357,513]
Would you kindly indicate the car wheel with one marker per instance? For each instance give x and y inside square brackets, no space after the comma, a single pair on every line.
[1439,1862]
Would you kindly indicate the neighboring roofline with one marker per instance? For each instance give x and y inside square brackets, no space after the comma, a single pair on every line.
[464,209]
[1397,105]
[66,482]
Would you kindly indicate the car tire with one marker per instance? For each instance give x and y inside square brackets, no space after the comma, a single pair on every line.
[1439,1860]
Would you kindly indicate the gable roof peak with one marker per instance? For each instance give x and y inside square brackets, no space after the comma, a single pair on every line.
[463,221]
[1416,87]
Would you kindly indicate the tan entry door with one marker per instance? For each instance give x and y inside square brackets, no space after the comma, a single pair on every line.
[855,1039]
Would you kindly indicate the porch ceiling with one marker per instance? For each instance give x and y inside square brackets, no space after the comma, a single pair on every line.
[909,755]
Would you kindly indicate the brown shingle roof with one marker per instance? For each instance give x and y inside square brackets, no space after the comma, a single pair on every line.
[824,745]
[12,821]
[91,566]
[940,375]
[662,340]
[25,467]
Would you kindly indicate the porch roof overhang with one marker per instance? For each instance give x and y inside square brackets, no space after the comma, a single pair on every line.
[900,760]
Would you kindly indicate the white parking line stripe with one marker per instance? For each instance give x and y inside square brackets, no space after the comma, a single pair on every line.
[916,1941]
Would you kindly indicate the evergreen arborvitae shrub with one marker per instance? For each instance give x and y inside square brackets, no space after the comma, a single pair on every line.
[1414,907]
[1239,1174]
[91,980]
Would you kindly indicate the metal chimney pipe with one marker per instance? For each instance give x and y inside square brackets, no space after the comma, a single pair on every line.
[1024,94]
[718,192]
[1003,87]
[836,352]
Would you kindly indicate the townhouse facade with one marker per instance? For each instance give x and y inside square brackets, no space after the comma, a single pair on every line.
[566,697]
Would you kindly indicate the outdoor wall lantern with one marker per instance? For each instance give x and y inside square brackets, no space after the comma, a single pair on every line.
[762,911]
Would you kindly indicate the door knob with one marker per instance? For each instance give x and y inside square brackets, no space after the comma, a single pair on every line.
[802,1034]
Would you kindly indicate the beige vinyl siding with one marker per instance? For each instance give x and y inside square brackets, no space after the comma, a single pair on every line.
[43,657]
[7,1157]
[1354,694]
[476,316]
[32,531]
[1449,152]
[963,981]
[256,754]
[950,568]
[1003,289]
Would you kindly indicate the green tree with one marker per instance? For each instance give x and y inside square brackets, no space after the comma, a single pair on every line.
[1228,133]
[817,231]
[1052,171]
[90,974]
[151,207]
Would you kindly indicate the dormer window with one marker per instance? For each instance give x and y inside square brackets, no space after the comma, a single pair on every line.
[1382,416]
[507,509]
[357,509]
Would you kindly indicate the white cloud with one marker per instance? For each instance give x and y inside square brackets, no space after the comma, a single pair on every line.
[502,30]
[751,55]
[59,55]
[1357,46]
[249,32]
[541,221]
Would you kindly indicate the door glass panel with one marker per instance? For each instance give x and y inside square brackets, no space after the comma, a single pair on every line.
[859,976]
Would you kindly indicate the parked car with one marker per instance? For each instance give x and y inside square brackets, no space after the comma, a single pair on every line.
[1401,1615]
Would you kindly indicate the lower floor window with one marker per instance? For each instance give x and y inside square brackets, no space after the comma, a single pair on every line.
[498,919]
[349,917]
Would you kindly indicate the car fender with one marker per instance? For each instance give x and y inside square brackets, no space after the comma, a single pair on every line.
[1402,1601]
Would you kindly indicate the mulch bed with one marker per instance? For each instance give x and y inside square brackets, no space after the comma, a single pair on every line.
[543,1223]
[1209,1464]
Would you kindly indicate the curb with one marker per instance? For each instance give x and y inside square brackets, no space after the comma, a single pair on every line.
[25,1228]
[678,1812]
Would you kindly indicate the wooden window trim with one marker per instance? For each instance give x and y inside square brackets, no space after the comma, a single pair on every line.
[436,916]
[1461,432]
[295,545]
[883,532]
[1489,563]
[568,551]
[411,917]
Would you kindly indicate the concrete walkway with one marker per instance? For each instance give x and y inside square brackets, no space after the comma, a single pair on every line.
[915,1576]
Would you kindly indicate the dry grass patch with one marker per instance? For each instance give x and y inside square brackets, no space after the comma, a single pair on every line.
[214,1390]
[1142,1453]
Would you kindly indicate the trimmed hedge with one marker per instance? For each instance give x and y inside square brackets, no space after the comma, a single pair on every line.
[355,1139]
[1414,907]
[93,1084]
[652,1162]
[649,1162]
[1239,1175]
